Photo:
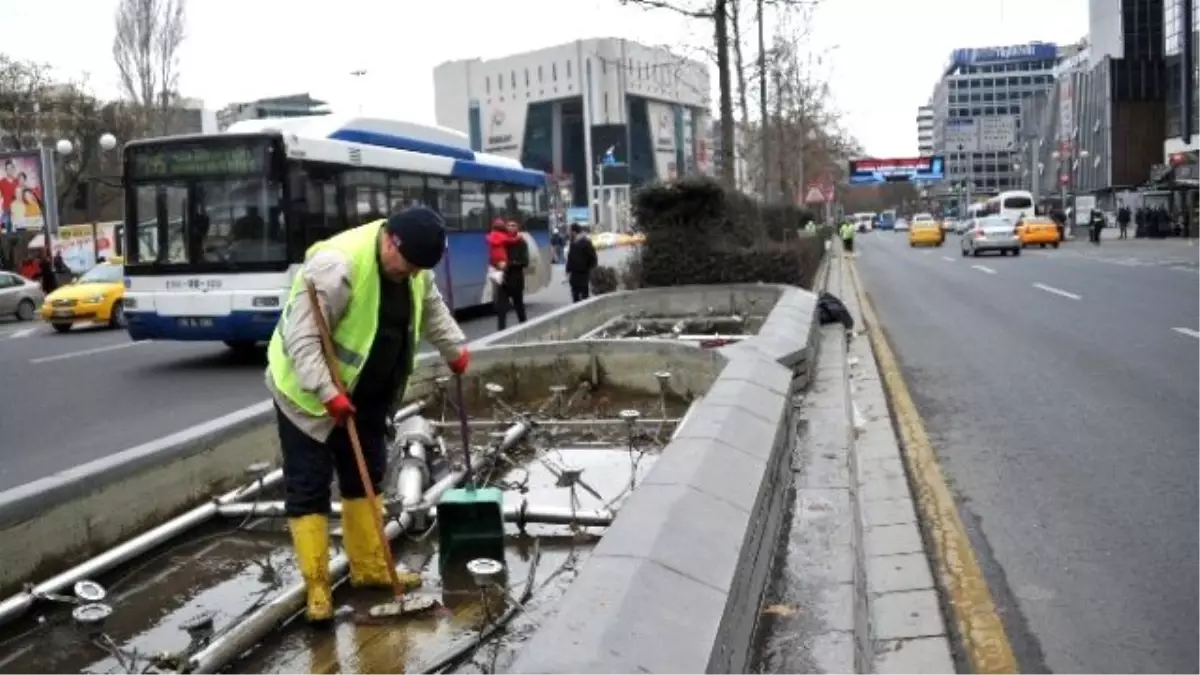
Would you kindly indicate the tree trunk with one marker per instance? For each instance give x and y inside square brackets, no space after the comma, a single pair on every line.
[739,62]
[721,36]
[762,100]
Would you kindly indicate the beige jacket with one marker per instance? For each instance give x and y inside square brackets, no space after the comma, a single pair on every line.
[329,271]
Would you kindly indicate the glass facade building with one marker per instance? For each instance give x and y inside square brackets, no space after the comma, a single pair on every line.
[1180,32]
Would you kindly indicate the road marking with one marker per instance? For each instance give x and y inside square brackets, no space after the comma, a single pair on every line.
[961,579]
[87,352]
[1187,331]
[24,332]
[984,268]
[1057,291]
[947,258]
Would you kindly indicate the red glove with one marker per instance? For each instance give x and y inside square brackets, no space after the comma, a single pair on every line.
[339,408]
[459,365]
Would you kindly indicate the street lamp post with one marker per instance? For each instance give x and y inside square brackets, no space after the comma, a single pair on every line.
[64,148]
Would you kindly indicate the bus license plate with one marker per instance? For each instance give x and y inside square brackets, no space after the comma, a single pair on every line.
[195,322]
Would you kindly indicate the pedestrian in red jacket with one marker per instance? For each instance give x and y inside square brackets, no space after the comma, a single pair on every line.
[499,239]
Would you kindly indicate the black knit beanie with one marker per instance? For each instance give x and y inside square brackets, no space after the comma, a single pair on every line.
[420,234]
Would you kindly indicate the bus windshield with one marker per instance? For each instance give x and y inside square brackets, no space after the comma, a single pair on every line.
[213,203]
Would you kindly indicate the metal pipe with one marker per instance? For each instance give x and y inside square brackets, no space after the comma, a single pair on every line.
[416,434]
[521,512]
[250,631]
[16,605]
[224,649]
[704,338]
[410,410]
[569,423]
[601,328]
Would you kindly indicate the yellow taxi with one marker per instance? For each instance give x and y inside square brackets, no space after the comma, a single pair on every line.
[95,297]
[1039,231]
[925,231]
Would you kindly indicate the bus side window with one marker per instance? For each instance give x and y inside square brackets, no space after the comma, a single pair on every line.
[445,198]
[317,216]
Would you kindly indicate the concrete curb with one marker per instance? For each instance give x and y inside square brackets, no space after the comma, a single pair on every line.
[677,583]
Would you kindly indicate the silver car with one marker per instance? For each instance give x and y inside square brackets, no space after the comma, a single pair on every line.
[992,233]
[19,296]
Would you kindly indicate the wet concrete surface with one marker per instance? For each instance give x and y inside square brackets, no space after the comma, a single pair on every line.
[664,326]
[1067,429]
[229,572]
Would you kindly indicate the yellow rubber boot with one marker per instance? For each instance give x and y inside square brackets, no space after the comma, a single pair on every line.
[310,542]
[368,564]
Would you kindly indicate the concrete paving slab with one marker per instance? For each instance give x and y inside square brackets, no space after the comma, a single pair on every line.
[906,614]
[922,655]
[893,539]
[903,572]
[888,512]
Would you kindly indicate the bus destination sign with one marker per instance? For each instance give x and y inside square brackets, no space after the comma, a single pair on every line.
[184,161]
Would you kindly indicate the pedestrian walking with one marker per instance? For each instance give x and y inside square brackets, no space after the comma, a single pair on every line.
[581,260]
[378,297]
[511,291]
[1123,218]
[847,232]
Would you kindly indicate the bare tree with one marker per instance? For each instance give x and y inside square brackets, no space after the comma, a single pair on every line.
[146,46]
[82,119]
[23,89]
[716,11]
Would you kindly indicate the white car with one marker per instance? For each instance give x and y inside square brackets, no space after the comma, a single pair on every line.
[901,225]
[19,296]
[993,233]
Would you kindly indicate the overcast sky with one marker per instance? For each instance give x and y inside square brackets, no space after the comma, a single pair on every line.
[884,55]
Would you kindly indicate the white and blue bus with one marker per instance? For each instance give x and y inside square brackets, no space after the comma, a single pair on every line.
[217,224]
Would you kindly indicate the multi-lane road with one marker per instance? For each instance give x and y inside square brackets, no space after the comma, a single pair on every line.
[1060,392]
[69,399]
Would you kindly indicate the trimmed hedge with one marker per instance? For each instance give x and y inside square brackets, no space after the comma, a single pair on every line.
[698,233]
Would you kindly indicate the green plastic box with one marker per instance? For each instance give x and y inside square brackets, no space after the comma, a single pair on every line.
[470,525]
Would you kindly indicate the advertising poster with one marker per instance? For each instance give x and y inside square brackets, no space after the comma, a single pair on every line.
[662,138]
[22,191]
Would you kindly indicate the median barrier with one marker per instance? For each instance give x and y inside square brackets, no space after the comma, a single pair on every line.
[677,582]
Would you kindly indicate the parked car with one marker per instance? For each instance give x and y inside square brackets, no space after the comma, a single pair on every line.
[19,296]
[992,233]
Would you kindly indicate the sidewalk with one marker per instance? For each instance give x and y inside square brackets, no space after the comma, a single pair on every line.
[855,592]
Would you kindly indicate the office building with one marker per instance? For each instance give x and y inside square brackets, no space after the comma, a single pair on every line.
[925,130]
[741,166]
[640,113]
[1102,130]
[976,109]
[1181,29]
[294,105]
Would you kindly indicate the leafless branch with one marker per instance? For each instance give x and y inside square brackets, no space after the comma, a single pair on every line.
[148,35]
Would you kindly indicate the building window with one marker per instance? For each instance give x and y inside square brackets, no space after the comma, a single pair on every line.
[568,69]
[487,85]
[499,83]
[514,80]
[526,77]
[554,72]
[539,73]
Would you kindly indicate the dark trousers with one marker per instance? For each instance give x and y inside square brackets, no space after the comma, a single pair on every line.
[309,465]
[1124,230]
[510,295]
[848,244]
[578,281]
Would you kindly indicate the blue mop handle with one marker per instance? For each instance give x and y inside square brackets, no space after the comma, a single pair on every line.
[463,425]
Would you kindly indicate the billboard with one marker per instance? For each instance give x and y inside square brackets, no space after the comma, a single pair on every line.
[23,191]
[872,171]
[961,135]
[978,56]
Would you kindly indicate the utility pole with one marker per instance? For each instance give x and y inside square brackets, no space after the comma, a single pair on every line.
[762,101]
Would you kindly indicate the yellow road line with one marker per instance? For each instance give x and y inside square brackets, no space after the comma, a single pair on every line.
[979,626]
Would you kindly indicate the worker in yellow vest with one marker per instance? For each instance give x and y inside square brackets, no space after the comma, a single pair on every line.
[379,300]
